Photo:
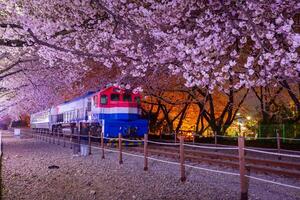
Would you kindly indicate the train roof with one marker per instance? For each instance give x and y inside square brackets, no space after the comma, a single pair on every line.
[90,93]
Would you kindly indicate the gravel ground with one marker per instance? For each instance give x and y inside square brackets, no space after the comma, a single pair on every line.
[26,176]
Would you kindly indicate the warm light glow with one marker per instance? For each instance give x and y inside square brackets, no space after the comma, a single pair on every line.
[248,117]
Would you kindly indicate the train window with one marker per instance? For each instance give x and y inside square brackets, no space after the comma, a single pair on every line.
[103,99]
[127,97]
[137,100]
[115,97]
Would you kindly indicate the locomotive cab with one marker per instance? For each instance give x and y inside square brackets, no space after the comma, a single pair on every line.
[119,111]
[117,103]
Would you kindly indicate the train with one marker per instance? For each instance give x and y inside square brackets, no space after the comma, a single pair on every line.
[110,111]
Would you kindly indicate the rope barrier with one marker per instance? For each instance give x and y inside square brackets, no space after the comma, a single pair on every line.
[224,136]
[110,138]
[271,153]
[129,140]
[131,154]
[95,137]
[213,170]
[163,143]
[273,182]
[290,139]
[164,161]
[196,146]
[260,138]
[206,147]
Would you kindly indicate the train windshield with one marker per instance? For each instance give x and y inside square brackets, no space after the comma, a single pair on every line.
[127,97]
[115,97]
[103,99]
[137,100]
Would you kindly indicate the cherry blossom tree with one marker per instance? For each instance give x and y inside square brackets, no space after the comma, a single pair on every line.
[218,45]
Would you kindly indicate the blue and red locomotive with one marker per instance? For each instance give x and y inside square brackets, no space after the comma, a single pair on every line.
[112,110]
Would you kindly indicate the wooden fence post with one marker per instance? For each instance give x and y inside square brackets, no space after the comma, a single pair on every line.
[182,166]
[53,135]
[278,143]
[242,167]
[90,143]
[146,152]
[102,144]
[175,136]
[71,136]
[120,149]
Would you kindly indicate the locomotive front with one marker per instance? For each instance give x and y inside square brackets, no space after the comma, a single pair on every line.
[118,111]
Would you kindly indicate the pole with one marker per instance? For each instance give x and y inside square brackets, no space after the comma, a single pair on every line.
[145,152]
[53,138]
[90,143]
[102,144]
[120,149]
[58,133]
[278,143]
[175,136]
[242,168]
[78,137]
[182,166]
[71,136]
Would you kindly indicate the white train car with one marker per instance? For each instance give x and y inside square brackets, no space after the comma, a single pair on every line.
[40,119]
[76,110]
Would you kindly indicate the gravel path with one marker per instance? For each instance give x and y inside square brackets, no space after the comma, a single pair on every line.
[26,176]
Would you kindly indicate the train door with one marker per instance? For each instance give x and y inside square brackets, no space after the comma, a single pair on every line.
[89,109]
